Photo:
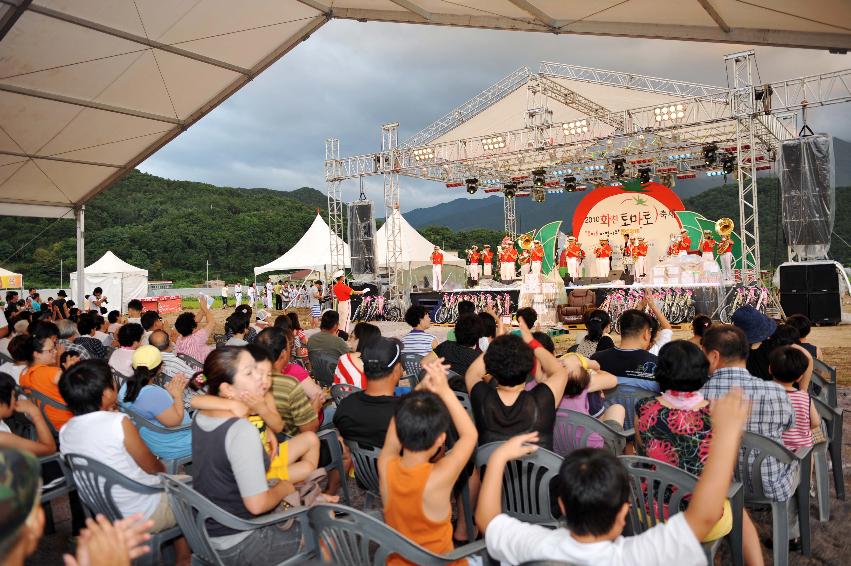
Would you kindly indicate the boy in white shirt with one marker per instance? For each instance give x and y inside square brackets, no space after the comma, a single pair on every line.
[593,495]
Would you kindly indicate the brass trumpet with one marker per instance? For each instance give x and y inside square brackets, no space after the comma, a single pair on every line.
[525,242]
[724,226]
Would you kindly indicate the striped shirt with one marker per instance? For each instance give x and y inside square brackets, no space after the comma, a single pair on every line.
[800,435]
[348,372]
[194,345]
[417,342]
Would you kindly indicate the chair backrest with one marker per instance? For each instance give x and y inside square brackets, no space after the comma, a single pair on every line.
[42,401]
[366,466]
[340,391]
[141,422]
[4,359]
[323,365]
[581,298]
[656,491]
[412,363]
[573,430]
[526,483]
[628,396]
[831,416]
[219,339]
[347,536]
[824,382]
[755,448]
[118,377]
[464,398]
[95,482]
[191,362]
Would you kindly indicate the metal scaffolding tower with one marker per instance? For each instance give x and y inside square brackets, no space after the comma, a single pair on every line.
[393,231]
[509,209]
[333,184]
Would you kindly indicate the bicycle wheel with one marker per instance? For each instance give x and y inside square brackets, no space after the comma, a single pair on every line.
[393,314]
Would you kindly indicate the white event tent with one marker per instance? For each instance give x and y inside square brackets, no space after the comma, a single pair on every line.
[312,251]
[416,250]
[119,280]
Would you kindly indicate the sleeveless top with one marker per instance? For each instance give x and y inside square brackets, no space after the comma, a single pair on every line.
[404,510]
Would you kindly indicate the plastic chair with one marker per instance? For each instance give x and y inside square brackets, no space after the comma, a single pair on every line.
[412,364]
[546,563]
[42,401]
[191,362]
[755,449]
[119,378]
[526,484]
[143,423]
[60,486]
[219,339]
[192,511]
[95,482]
[825,377]
[343,535]
[329,436]
[832,423]
[365,461]
[340,391]
[652,481]
[628,396]
[573,429]
[464,398]
[6,359]
[323,364]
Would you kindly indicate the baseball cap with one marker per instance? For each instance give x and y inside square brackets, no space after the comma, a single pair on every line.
[20,484]
[146,357]
[380,355]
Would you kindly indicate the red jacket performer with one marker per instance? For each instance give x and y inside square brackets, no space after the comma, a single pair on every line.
[473,257]
[603,252]
[344,294]
[707,245]
[725,254]
[487,261]
[437,269]
[507,257]
[685,241]
[537,255]
[574,256]
[639,252]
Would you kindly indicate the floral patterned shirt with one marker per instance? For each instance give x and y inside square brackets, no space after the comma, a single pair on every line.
[674,436]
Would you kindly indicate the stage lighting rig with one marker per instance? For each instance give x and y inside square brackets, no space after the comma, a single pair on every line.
[570,184]
[472,185]
[510,190]
[618,167]
[728,164]
[539,178]
[539,194]
[710,154]
[644,174]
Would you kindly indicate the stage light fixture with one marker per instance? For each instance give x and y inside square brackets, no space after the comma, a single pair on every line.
[618,167]
[570,184]
[728,164]
[510,190]
[539,194]
[472,185]
[710,154]
[494,142]
[575,128]
[668,180]
[644,174]
[423,153]
[672,112]
[539,177]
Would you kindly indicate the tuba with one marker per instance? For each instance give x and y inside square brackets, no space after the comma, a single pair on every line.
[525,242]
[724,226]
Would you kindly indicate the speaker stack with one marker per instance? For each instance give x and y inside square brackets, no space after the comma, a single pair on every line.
[361,237]
[811,290]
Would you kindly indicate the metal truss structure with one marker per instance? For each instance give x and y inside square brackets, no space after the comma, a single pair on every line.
[742,123]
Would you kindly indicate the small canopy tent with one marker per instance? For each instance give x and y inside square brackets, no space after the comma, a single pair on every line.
[312,251]
[119,280]
[11,280]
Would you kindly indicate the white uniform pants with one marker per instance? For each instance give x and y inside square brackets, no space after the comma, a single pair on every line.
[573,267]
[487,269]
[602,267]
[344,309]
[238,297]
[536,267]
[474,271]
[437,276]
[727,266]
[506,270]
[524,270]
[639,266]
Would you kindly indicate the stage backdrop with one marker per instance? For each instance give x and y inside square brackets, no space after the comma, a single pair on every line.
[648,210]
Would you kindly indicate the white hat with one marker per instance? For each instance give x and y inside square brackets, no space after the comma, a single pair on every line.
[571,237]
[337,274]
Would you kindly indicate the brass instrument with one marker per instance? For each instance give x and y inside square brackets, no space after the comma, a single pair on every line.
[525,242]
[724,226]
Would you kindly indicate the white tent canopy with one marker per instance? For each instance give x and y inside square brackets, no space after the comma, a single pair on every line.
[416,250]
[312,251]
[119,280]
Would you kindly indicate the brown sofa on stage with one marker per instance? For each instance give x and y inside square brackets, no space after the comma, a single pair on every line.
[579,301]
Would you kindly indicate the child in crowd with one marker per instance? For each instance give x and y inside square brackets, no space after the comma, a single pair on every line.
[594,493]
[416,492]
[792,366]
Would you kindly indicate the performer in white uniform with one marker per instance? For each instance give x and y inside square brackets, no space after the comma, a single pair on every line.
[252,295]
[473,257]
[725,254]
[437,269]
[237,293]
[269,302]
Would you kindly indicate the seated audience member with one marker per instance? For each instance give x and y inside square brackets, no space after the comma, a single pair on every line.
[803,325]
[757,328]
[364,416]
[129,337]
[4,342]
[114,319]
[19,361]
[597,339]
[415,491]
[584,378]
[464,307]
[661,332]
[87,326]
[42,375]
[327,340]
[593,494]
[726,347]
[102,330]
[300,337]
[230,462]
[792,368]
[491,328]
[193,338]
[463,351]
[4,325]
[237,326]
[418,341]
[68,337]
[68,359]
[529,316]
[172,366]
[98,431]
[134,311]
[248,312]
[10,405]
[150,321]
[698,326]
[160,405]
[676,427]
[630,362]
[508,409]
[350,366]
[61,310]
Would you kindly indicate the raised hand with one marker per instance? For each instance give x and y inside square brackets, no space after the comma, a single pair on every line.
[103,543]
[436,379]
[730,414]
[176,386]
[517,446]
[525,333]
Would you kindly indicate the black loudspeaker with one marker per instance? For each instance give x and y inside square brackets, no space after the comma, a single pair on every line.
[822,278]
[805,186]
[793,279]
[825,308]
[795,303]
[361,237]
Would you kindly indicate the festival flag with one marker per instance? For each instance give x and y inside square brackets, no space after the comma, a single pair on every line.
[548,234]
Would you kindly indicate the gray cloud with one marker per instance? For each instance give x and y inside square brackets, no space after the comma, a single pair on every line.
[351,77]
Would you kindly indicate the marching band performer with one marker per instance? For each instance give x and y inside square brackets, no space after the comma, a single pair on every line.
[575,253]
[707,245]
[506,260]
[344,294]
[685,242]
[237,293]
[562,263]
[473,257]
[487,262]
[674,247]
[639,254]
[603,252]
[525,263]
[725,254]
[537,256]
[437,269]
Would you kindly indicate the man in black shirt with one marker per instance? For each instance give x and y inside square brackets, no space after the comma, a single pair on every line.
[461,353]
[364,416]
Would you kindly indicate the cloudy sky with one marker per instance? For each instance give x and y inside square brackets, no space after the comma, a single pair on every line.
[351,77]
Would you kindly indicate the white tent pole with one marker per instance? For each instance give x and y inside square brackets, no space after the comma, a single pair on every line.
[79,216]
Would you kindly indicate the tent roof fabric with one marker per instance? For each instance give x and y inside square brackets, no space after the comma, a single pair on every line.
[6,272]
[312,251]
[415,247]
[90,89]
[111,263]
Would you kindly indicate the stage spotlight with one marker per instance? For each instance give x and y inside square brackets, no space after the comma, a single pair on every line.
[644,174]
[510,190]
[618,167]
[423,153]
[710,154]
[570,184]
[539,177]
[539,194]
[668,180]
[728,164]
[472,185]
